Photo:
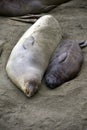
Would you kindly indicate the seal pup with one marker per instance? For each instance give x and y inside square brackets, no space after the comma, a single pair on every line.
[30,57]
[65,63]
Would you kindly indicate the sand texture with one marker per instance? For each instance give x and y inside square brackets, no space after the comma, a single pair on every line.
[64,108]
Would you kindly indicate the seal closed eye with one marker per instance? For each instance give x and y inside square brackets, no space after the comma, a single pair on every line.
[65,63]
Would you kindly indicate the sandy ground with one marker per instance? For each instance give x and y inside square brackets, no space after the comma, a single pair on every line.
[64,108]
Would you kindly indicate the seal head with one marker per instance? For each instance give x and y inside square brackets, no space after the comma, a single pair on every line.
[31,88]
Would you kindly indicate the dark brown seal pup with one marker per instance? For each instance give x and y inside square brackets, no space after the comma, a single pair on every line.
[23,7]
[65,64]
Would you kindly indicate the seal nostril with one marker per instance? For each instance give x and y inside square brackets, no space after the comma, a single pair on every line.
[27,92]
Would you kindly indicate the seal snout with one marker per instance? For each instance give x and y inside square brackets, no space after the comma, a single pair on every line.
[31,88]
[52,82]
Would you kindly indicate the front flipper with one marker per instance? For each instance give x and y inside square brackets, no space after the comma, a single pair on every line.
[30,16]
[27,19]
[62,57]
[83,44]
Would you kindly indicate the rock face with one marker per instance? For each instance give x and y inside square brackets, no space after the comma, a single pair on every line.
[64,108]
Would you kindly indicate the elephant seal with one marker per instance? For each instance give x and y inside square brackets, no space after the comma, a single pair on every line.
[23,7]
[65,63]
[30,57]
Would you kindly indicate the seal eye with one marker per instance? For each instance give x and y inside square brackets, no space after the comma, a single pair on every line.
[62,57]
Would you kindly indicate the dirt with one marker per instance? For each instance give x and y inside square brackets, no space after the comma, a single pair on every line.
[64,108]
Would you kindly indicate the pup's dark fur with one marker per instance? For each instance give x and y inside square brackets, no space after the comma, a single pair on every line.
[65,63]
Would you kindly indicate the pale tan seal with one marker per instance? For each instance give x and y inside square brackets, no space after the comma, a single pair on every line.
[30,57]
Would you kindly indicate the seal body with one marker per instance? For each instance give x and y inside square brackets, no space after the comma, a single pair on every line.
[23,7]
[65,64]
[30,57]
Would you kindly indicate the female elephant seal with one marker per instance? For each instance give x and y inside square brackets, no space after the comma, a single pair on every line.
[23,7]
[30,57]
[65,63]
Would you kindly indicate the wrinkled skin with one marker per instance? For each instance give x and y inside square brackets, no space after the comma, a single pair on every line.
[23,7]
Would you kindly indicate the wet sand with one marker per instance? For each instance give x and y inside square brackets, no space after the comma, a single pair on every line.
[64,108]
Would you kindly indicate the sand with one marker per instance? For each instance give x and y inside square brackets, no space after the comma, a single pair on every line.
[64,108]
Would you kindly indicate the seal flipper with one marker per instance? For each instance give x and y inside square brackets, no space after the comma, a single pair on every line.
[62,57]
[24,20]
[83,44]
[28,42]
[27,18]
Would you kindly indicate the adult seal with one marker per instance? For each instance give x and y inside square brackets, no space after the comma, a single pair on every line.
[65,63]
[23,7]
[30,57]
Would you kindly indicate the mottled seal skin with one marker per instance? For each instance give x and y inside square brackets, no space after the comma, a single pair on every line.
[23,7]
[65,63]
[30,57]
